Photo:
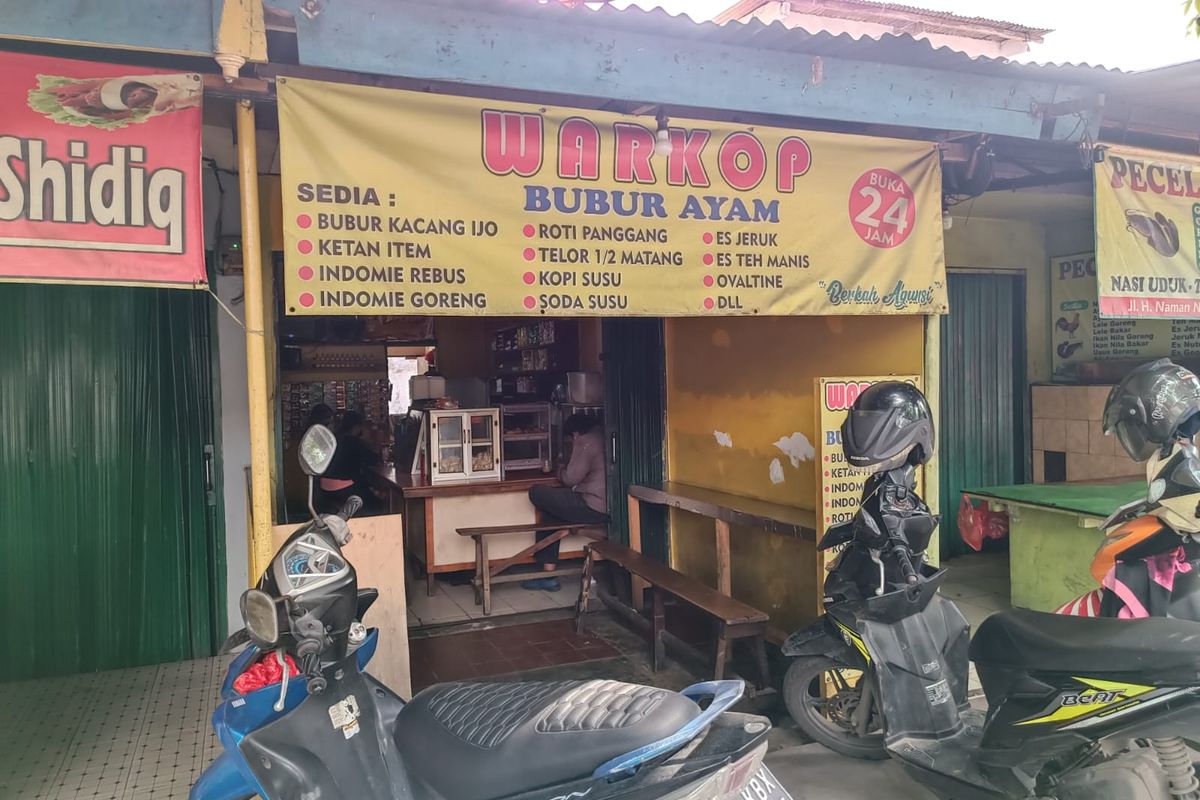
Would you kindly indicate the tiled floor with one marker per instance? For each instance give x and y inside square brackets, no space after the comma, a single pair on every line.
[978,584]
[144,734]
[503,650]
[136,734]
[456,603]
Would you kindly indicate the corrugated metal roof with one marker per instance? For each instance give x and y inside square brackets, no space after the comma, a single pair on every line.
[899,49]
[873,11]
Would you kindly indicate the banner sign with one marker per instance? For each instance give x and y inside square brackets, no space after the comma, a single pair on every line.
[841,485]
[1148,234]
[99,174]
[1079,334]
[403,202]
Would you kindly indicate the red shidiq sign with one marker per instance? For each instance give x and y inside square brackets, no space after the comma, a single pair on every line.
[99,174]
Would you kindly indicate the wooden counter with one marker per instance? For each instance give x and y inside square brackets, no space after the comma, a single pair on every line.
[415,486]
[434,513]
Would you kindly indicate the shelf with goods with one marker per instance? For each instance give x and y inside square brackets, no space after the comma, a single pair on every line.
[334,359]
[527,434]
[369,395]
[530,360]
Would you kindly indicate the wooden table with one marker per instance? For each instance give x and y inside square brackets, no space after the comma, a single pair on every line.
[1053,533]
[725,510]
[433,513]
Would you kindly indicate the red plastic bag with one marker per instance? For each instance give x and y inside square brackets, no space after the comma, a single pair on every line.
[265,672]
[977,524]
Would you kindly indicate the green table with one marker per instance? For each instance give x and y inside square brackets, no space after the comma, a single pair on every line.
[1053,532]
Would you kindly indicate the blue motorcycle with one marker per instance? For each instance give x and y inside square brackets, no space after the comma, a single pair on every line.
[333,731]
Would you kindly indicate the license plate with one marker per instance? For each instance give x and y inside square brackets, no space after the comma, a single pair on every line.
[764,786]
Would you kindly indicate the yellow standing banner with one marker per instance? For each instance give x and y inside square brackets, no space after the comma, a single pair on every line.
[402,202]
[840,485]
[1148,234]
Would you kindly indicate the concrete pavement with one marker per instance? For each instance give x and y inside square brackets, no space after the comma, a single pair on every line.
[811,772]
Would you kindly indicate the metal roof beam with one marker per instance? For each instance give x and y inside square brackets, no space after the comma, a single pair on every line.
[567,56]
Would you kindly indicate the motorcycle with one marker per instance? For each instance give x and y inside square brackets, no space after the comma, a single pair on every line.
[1149,562]
[329,729]
[1077,708]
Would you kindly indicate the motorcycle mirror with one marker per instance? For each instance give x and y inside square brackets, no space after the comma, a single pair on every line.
[317,449]
[261,616]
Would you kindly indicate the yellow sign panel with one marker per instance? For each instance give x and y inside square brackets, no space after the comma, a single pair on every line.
[1148,234]
[1081,335]
[840,485]
[403,202]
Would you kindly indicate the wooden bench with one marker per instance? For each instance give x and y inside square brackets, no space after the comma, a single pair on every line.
[487,573]
[733,619]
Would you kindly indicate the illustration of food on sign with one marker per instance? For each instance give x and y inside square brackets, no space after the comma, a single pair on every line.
[1160,232]
[112,103]
[1069,327]
[1067,349]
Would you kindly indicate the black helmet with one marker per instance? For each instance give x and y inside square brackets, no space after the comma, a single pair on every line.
[1153,406]
[888,424]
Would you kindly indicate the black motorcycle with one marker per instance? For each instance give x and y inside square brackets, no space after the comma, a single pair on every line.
[330,730]
[1076,707]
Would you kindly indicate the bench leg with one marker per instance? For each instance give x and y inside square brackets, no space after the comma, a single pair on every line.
[585,591]
[760,655]
[430,582]
[722,654]
[477,580]
[487,579]
[657,628]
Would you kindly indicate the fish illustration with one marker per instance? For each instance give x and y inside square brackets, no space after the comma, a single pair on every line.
[1160,232]
[1067,349]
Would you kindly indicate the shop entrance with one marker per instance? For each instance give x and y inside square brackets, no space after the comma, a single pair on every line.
[983,386]
[635,399]
[113,540]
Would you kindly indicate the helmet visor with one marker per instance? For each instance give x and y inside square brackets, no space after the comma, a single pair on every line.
[888,463]
[1132,437]
[865,438]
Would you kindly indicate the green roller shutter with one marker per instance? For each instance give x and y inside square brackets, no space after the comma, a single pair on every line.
[982,431]
[108,479]
[634,404]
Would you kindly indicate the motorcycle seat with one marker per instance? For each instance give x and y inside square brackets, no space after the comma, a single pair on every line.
[1157,648]
[477,741]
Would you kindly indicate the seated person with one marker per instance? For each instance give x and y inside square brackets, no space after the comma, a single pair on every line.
[582,498]
[350,471]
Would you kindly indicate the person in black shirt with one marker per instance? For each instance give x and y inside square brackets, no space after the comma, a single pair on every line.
[351,470]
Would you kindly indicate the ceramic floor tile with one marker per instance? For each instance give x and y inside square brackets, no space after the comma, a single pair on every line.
[975,614]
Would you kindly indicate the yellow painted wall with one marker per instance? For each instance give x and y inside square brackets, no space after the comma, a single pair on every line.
[752,379]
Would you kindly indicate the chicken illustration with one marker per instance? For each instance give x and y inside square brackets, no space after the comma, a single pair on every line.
[1069,327]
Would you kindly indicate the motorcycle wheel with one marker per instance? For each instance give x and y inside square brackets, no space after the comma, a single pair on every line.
[827,719]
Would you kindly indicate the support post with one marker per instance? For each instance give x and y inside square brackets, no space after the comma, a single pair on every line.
[933,393]
[637,585]
[724,569]
[256,345]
